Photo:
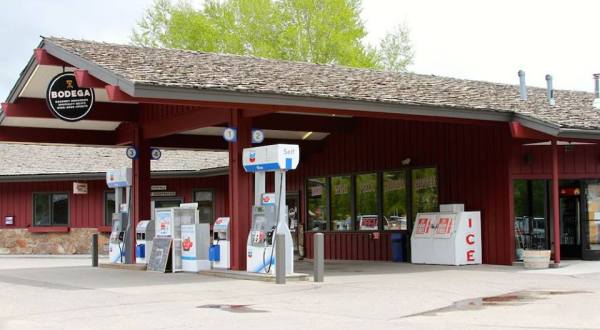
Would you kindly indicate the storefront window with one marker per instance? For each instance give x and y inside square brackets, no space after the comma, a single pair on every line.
[50,209]
[424,190]
[341,203]
[109,207]
[593,209]
[394,201]
[367,213]
[205,200]
[530,215]
[316,200]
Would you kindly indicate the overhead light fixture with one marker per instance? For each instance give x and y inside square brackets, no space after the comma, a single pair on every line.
[307,135]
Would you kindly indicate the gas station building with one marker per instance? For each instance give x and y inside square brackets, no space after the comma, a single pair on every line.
[376,148]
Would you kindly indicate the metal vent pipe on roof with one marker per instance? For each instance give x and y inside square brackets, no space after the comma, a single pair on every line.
[550,90]
[522,86]
[596,91]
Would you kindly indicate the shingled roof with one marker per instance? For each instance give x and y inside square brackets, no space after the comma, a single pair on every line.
[38,160]
[250,75]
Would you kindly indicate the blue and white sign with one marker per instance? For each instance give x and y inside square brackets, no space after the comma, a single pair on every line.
[258,136]
[155,153]
[118,178]
[230,134]
[131,153]
[271,158]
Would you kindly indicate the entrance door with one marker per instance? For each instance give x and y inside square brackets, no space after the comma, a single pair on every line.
[591,221]
[570,224]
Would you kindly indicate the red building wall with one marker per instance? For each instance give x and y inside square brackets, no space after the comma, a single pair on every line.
[574,162]
[87,211]
[472,162]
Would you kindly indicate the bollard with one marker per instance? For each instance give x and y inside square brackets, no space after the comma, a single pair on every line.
[94,250]
[319,257]
[280,258]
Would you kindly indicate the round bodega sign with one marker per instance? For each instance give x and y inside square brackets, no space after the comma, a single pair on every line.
[66,100]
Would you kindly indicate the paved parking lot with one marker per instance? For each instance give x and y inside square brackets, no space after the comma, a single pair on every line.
[66,293]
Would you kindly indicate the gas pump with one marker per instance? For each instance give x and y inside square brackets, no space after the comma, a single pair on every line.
[121,242]
[219,250]
[269,213]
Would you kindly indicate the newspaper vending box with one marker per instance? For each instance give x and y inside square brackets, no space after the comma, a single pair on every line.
[447,238]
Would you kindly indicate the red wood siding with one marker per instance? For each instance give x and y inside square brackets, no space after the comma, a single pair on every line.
[574,162]
[87,211]
[472,164]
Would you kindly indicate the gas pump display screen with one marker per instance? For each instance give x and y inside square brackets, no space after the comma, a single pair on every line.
[264,222]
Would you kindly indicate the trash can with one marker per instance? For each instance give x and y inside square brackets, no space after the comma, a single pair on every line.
[140,251]
[397,240]
[214,252]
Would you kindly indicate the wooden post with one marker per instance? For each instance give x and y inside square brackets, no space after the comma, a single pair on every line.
[240,190]
[141,183]
[555,202]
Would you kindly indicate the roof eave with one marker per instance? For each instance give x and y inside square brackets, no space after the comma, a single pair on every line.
[95,70]
[22,80]
[223,170]
[583,134]
[193,94]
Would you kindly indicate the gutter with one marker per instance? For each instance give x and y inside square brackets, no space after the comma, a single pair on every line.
[217,171]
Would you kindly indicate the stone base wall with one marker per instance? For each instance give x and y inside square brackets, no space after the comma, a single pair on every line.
[77,241]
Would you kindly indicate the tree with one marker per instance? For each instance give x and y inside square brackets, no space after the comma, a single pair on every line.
[317,31]
[395,50]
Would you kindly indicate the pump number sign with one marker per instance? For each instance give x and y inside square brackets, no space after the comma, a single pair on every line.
[66,100]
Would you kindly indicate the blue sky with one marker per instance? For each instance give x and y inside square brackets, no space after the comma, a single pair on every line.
[483,40]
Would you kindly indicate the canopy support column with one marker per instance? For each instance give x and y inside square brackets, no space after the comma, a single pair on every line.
[555,203]
[240,190]
[141,182]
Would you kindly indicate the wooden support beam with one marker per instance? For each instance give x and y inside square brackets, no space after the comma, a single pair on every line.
[37,108]
[210,142]
[241,194]
[43,58]
[192,119]
[555,202]
[187,141]
[518,131]
[125,134]
[86,80]
[55,136]
[141,183]
[305,123]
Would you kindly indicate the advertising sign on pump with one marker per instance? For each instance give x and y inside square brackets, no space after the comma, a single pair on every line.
[271,158]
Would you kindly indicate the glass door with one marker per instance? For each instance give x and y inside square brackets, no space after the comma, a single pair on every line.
[591,221]
[570,224]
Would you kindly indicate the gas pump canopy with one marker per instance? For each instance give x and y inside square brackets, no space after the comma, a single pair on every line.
[175,95]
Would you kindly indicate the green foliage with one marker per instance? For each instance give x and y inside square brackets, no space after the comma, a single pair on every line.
[395,50]
[318,31]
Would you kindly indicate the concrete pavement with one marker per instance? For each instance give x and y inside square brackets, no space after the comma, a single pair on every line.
[66,293]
